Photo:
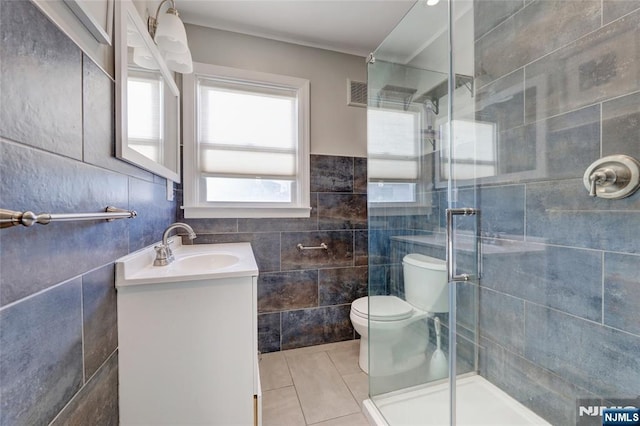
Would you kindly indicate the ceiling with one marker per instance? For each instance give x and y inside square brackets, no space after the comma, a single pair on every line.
[349,26]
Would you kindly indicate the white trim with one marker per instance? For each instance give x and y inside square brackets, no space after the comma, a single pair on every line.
[373,415]
[126,10]
[100,27]
[194,207]
[239,212]
[63,17]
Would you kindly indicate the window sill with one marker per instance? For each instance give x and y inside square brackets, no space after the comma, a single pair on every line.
[248,212]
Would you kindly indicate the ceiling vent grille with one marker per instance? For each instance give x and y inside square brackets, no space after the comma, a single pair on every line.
[356,93]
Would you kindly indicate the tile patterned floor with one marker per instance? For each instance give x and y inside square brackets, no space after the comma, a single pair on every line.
[318,385]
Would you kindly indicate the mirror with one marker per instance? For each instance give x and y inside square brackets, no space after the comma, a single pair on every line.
[147,99]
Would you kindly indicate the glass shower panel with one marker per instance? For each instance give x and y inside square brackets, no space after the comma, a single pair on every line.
[413,179]
[404,219]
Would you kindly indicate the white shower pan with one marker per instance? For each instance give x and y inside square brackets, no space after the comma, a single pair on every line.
[479,402]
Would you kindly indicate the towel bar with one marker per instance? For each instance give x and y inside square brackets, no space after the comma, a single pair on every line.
[322,246]
[9,218]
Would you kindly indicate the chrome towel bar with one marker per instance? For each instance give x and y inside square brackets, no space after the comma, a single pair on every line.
[9,218]
[322,246]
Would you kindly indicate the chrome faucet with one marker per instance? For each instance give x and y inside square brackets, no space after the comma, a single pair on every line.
[164,255]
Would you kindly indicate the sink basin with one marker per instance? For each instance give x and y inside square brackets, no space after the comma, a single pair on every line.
[206,260]
[192,263]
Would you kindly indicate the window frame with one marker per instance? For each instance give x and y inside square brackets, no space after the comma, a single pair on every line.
[193,205]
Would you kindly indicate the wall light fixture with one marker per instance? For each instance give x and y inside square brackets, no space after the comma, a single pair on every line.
[167,30]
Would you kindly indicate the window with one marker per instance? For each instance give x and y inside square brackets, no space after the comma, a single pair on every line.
[474,150]
[246,144]
[145,113]
[394,153]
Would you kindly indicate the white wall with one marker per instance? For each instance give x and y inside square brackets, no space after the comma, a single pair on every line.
[336,129]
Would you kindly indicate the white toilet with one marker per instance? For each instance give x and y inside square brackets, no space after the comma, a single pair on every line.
[400,329]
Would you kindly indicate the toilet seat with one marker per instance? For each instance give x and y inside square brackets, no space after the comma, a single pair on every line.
[384,308]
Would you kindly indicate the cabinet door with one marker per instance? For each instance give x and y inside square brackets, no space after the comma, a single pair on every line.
[231,350]
[186,353]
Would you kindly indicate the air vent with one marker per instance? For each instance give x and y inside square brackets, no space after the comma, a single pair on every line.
[356,94]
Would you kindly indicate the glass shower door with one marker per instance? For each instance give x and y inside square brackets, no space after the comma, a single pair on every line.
[468,154]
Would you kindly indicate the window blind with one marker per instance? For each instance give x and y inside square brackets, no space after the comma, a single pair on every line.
[393,144]
[145,113]
[247,130]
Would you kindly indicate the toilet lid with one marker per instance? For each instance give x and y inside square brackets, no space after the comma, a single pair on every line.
[383,308]
[426,262]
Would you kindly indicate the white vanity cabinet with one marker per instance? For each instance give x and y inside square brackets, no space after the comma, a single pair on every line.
[188,348]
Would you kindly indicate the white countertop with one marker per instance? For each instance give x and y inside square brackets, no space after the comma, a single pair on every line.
[137,268]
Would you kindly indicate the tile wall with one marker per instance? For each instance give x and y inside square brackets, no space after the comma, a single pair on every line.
[304,297]
[58,323]
[558,316]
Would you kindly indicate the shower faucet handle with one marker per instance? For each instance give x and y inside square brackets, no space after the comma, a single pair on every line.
[600,177]
[612,177]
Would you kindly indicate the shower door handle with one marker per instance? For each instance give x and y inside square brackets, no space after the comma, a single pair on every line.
[451,275]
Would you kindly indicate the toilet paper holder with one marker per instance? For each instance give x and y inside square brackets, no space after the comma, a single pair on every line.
[613,177]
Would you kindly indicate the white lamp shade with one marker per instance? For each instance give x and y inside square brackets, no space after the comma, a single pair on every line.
[170,34]
[179,62]
[143,58]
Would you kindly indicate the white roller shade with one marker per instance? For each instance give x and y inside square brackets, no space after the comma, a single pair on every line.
[393,144]
[247,162]
[392,169]
[247,132]
[145,111]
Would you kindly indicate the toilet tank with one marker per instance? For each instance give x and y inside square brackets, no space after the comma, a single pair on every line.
[425,282]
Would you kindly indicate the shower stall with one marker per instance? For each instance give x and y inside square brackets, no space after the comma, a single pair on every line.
[484,120]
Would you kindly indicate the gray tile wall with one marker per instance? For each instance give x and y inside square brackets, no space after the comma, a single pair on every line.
[304,297]
[559,317]
[58,321]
